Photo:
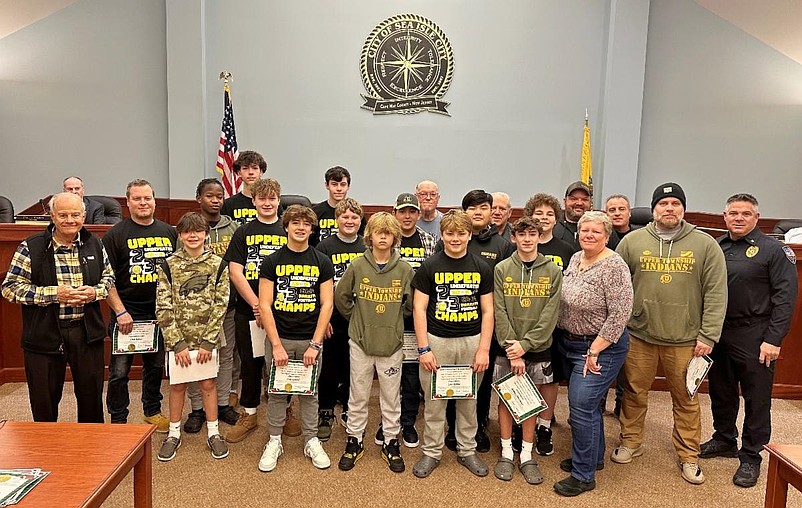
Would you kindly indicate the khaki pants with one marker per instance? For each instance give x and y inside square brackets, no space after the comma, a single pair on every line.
[388,370]
[640,369]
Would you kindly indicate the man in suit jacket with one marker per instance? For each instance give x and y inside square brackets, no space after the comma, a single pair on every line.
[94,210]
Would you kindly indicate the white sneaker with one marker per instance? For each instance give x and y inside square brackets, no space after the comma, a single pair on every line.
[314,450]
[273,450]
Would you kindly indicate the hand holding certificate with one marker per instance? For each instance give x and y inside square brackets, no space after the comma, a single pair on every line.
[520,395]
[143,338]
[180,372]
[454,382]
[698,367]
[293,379]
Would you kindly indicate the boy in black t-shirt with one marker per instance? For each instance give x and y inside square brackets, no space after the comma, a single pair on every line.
[249,247]
[341,248]
[296,298]
[338,181]
[453,313]
[249,166]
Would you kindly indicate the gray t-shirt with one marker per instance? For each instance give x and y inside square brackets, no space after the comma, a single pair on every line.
[432,226]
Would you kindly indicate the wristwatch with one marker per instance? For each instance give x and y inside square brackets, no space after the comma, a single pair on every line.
[592,353]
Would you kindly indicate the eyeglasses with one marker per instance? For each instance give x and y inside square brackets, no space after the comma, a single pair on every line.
[428,194]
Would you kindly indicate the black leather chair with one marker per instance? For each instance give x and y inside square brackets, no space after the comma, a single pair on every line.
[6,210]
[294,199]
[785,225]
[111,208]
[640,216]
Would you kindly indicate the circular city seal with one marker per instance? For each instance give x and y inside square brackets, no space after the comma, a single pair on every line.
[406,65]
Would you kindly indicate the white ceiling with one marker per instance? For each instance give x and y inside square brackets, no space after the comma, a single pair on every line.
[778,23]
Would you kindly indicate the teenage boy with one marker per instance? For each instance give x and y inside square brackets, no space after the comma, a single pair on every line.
[191,301]
[527,303]
[375,295]
[249,247]
[135,248]
[453,312]
[338,181]
[209,195]
[296,298]
[341,248]
[249,166]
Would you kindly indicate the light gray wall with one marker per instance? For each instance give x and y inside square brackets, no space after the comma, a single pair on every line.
[722,113]
[83,92]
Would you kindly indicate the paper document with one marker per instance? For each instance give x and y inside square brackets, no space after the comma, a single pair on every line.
[520,395]
[195,372]
[293,378]
[454,382]
[698,367]
[258,339]
[144,338]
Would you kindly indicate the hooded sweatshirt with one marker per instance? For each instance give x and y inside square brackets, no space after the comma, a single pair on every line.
[680,286]
[488,245]
[376,301]
[527,304]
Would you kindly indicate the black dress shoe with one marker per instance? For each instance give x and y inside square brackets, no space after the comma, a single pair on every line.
[482,441]
[571,487]
[746,475]
[194,421]
[716,448]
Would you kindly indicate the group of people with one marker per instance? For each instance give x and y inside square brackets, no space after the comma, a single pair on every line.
[562,294]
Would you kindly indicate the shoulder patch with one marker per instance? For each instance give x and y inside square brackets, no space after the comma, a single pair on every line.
[789,253]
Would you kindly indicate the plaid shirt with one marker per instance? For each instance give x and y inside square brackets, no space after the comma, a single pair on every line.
[427,241]
[18,288]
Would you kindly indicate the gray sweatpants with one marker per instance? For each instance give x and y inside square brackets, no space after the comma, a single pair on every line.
[388,369]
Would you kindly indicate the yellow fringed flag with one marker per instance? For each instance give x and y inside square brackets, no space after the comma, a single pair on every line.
[586,173]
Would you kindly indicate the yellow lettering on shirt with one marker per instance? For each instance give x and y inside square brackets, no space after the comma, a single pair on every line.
[457,278]
[682,264]
[379,294]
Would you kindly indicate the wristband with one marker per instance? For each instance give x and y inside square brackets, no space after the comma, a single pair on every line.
[122,313]
[423,350]
[314,345]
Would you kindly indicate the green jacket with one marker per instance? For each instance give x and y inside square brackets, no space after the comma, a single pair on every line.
[376,302]
[680,286]
[527,302]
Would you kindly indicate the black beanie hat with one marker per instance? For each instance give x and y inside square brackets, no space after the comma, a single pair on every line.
[668,190]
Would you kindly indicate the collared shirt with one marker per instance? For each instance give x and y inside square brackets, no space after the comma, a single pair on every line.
[18,288]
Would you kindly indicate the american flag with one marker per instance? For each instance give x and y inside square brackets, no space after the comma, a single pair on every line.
[227,153]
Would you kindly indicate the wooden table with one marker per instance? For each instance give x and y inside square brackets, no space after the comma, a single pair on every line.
[785,466]
[86,460]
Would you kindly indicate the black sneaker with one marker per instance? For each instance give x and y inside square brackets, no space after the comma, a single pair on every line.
[716,448]
[227,414]
[544,445]
[517,438]
[379,439]
[324,423]
[195,421]
[391,454]
[410,436]
[353,452]
[571,487]
[451,440]
[482,441]
[747,475]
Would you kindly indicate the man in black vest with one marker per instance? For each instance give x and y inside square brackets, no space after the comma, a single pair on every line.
[59,276]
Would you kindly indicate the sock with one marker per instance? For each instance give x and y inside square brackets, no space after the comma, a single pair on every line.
[526,451]
[175,430]
[212,427]
[544,423]
[250,410]
[276,438]
[506,448]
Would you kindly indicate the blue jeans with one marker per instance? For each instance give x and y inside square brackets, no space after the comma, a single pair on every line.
[117,398]
[584,395]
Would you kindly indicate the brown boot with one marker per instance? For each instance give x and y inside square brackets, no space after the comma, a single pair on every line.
[244,426]
[292,427]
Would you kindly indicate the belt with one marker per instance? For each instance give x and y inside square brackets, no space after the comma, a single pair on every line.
[70,323]
[572,336]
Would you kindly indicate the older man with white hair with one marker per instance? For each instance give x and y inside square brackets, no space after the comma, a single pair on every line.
[501,214]
[428,197]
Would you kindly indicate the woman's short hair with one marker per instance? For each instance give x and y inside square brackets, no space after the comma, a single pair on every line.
[382,222]
[598,217]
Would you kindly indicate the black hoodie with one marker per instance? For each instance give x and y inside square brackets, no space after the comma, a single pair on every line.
[488,245]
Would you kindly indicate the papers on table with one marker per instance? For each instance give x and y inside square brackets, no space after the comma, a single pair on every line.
[520,395]
[698,367]
[258,339]
[15,483]
[410,348]
[294,378]
[195,372]
[144,338]
[454,382]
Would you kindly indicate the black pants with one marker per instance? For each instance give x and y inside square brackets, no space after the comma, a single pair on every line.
[46,373]
[250,368]
[334,382]
[410,393]
[735,363]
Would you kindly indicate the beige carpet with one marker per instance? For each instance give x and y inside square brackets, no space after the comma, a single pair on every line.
[194,479]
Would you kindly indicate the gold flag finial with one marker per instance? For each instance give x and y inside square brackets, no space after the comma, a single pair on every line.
[226,77]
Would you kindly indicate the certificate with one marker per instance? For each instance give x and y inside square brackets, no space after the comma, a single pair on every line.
[410,348]
[293,379]
[520,395]
[698,367]
[195,371]
[454,382]
[144,338]
[258,339]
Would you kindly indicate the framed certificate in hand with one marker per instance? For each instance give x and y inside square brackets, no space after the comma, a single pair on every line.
[293,379]
[454,382]
[144,338]
[520,395]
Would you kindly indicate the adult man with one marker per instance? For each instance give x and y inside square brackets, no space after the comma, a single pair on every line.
[680,283]
[59,276]
[94,210]
[249,166]
[501,214]
[577,201]
[135,247]
[617,207]
[428,197]
[762,283]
